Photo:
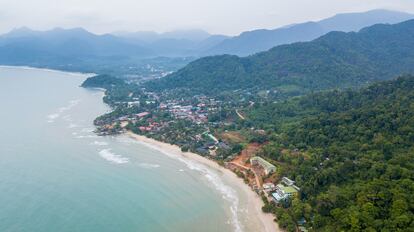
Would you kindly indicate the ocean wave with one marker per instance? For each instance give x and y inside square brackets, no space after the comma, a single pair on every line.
[87,137]
[126,140]
[228,193]
[71,104]
[87,130]
[52,117]
[149,166]
[67,118]
[72,125]
[112,157]
[97,143]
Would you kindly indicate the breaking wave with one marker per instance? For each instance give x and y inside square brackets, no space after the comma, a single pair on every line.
[97,143]
[112,157]
[52,117]
[228,193]
[148,166]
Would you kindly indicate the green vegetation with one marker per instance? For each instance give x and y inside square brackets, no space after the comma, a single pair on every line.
[356,160]
[102,81]
[336,60]
[350,150]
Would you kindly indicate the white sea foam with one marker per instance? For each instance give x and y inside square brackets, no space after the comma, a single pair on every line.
[87,130]
[67,118]
[52,117]
[127,141]
[87,137]
[71,104]
[181,170]
[148,166]
[97,143]
[72,125]
[112,157]
[228,193]
[49,70]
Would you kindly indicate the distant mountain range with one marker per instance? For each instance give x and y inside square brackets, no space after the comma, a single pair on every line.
[151,36]
[63,46]
[78,47]
[255,41]
[335,60]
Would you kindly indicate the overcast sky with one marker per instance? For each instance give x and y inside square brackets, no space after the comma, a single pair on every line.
[216,16]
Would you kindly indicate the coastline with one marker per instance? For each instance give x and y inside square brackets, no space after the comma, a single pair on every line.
[255,203]
[73,73]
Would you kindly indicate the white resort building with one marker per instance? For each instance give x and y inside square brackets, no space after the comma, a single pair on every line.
[268,167]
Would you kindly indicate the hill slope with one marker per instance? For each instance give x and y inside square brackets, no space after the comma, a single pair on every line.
[355,163]
[336,60]
[252,42]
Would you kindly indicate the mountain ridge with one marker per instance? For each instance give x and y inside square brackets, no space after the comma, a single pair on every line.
[335,60]
[250,42]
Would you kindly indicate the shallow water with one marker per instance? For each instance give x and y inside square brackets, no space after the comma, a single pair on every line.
[57,175]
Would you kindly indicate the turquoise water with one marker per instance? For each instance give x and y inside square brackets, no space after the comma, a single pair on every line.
[57,175]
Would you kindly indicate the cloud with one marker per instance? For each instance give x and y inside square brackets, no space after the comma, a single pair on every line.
[216,16]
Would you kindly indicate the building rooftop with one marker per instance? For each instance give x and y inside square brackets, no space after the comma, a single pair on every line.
[263,162]
[289,189]
[277,197]
[288,181]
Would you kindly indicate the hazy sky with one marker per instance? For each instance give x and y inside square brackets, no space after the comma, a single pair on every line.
[216,16]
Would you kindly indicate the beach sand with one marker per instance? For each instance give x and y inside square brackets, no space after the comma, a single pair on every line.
[254,204]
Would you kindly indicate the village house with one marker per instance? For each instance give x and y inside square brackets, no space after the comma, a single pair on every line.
[269,187]
[285,190]
[143,114]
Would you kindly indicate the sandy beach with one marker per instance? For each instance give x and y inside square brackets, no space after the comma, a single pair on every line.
[254,204]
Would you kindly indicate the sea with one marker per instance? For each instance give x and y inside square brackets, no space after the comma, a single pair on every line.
[56,174]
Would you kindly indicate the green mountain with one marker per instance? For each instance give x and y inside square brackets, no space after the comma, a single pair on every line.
[251,42]
[102,81]
[351,153]
[336,60]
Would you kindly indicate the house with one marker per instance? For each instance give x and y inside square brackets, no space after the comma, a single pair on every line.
[143,114]
[133,103]
[224,146]
[284,192]
[268,187]
[287,181]
[144,128]
[268,167]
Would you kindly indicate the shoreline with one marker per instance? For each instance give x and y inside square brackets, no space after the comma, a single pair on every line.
[48,70]
[255,203]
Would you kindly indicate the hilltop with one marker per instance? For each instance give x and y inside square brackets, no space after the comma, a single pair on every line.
[335,60]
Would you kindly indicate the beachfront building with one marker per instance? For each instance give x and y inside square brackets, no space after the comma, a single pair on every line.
[284,192]
[268,187]
[268,167]
[287,181]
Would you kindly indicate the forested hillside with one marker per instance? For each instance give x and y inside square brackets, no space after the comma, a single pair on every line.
[351,152]
[250,42]
[336,60]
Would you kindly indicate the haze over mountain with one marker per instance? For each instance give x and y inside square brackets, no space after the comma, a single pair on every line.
[250,42]
[151,36]
[25,46]
[335,60]
[78,47]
